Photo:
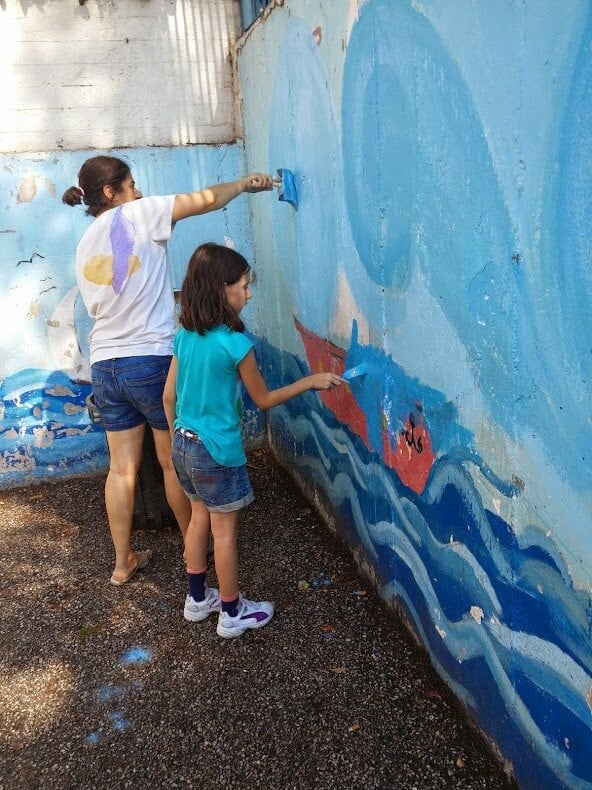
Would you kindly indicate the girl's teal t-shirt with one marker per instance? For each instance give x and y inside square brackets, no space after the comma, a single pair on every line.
[208,394]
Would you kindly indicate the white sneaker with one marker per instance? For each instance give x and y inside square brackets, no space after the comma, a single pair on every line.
[251,614]
[196,611]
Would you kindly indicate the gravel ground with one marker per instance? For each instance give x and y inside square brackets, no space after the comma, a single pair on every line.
[111,688]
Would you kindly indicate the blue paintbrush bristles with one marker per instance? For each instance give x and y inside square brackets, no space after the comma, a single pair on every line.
[358,370]
[287,187]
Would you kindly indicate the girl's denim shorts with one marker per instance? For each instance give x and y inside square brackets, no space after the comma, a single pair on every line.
[128,391]
[222,489]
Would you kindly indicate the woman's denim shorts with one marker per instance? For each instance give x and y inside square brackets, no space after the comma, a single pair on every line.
[128,391]
[222,489]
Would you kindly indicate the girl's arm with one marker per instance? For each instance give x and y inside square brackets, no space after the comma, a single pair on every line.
[265,399]
[217,196]
[169,396]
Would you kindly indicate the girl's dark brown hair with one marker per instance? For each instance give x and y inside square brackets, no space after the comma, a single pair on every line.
[95,173]
[203,294]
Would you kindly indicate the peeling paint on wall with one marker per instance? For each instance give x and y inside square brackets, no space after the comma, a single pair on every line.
[27,190]
[43,437]
[18,461]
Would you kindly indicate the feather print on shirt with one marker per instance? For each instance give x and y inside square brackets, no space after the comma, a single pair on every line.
[122,235]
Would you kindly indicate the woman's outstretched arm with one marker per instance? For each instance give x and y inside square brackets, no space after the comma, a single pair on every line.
[217,196]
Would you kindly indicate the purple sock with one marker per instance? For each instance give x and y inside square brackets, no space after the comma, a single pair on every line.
[230,607]
[197,584]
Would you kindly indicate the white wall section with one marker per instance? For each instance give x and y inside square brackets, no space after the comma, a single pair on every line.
[110,73]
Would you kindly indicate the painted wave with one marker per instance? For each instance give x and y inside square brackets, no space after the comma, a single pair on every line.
[45,431]
[500,617]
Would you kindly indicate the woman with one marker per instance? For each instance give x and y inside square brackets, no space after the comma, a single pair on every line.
[124,280]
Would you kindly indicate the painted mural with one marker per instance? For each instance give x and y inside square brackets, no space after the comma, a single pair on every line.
[45,430]
[442,240]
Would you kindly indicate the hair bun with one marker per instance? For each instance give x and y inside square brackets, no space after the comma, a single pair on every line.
[73,196]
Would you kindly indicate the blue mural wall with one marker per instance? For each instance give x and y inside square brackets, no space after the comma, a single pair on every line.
[441,153]
[45,430]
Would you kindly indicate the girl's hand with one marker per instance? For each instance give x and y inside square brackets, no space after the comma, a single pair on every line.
[258,182]
[325,381]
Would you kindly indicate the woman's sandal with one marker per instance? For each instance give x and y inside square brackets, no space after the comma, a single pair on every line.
[143,558]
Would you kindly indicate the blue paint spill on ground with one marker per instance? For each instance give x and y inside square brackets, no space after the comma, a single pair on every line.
[119,722]
[136,655]
[109,693]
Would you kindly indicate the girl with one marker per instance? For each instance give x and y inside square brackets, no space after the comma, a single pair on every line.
[123,277]
[200,400]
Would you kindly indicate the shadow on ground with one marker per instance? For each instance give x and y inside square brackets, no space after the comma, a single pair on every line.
[107,688]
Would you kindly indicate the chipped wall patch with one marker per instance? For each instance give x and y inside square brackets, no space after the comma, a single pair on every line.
[27,190]
[17,461]
[60,391]
[43,437]
[76,431]
[73,408]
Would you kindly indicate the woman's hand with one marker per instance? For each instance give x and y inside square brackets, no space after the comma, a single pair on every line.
[258,182]
[325,381]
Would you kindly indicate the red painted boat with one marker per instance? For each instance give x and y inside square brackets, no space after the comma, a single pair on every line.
[410,454]
[323,357]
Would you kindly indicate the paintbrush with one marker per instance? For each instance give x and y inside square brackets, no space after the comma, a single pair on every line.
[353,373]
[286,185]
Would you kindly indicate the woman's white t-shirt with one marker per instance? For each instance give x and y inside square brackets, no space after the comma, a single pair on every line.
[125,282]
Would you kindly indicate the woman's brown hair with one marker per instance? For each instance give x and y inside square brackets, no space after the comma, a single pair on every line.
[203,294]
[95,173]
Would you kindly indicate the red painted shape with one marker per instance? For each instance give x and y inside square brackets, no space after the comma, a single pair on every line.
[412,457]
[324,356]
